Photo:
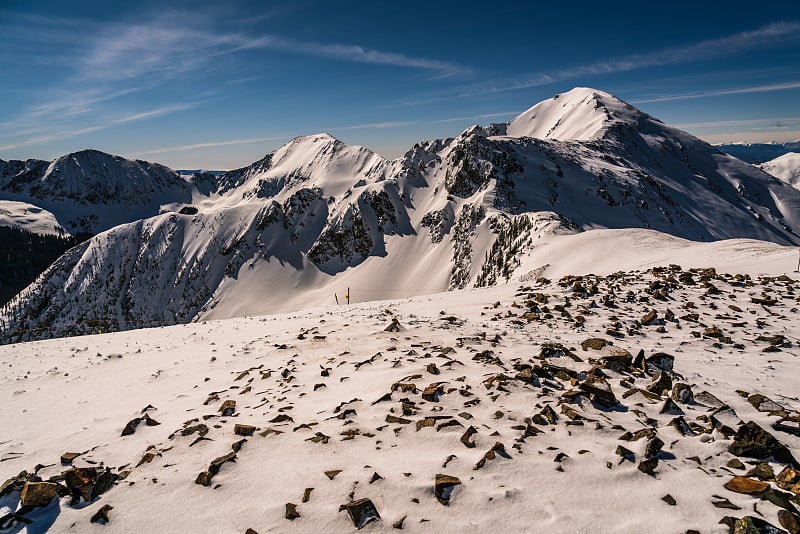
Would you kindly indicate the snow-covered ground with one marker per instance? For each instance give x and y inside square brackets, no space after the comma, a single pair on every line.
[786,167]
[30,218]
[344,409]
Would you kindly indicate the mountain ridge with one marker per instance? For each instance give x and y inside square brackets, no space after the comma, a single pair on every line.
[316,216]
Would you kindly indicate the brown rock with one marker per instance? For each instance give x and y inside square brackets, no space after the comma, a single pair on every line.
[649,317]
[747,486]
[243,430]
[432,392]
[68,457]
[332,473]
[648,466]
[443,487]
[789,479]
[466,438]
[753,525]
[594,343]
[228,408]
[101,516]
[752,441]
[38,493]
[291,511]
[789,521]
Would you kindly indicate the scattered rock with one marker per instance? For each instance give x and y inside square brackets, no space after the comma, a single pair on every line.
[228,408]
[399,523]
[88,482]
[361,512]
[661,361]
[754,525]
[394,326]
[443,487]
[789,479]
[332,473]
[669,499]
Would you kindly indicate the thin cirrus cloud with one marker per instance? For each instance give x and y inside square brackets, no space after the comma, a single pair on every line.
[768,88]
[778,34]
[105,124]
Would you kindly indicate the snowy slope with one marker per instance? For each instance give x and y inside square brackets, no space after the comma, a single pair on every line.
[786,167]
[331,408]
[90,191]
[317,217]
[29,217]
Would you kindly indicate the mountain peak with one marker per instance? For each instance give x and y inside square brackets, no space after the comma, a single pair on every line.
[581,114]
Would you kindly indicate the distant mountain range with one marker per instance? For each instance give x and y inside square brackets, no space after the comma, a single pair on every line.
[318,220]
[759,152]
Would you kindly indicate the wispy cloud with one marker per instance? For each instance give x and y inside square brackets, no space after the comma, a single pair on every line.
[64,133]
[356,54]
[375,125]
[474,117]
[778,34]
[773,123]
[723,92]
[211,144]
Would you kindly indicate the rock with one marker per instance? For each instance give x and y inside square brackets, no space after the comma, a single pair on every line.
[432,369]
[432,392]
[228,408]
[789,479]
[648,466]
[134,423]
[669,499]
[393,326]
[466,438]
[662,361]
[726,504]
[625,453]
[682,393]
[291,511]
[789,521]
[754,525]
[307,494]
[399,523]
[653,447]
[599,390]
[443,487]
[88,483]
[243,430]
[617,359]
[68,457]
[745,485]
[594,343]
[704,397]
[662,383]
[332,473]
[18,482]
[546,416]
[735,463]
[101,516]
[764,404]
[752,441]
[361,512]
[38,493]
[648,318]
[762,471]
[670,407]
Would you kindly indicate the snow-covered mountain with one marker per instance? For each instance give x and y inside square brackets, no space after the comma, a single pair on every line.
[759,152]
[786,168]
[318,219]
[91,191]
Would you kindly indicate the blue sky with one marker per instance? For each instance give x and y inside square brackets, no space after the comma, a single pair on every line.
[217,85]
